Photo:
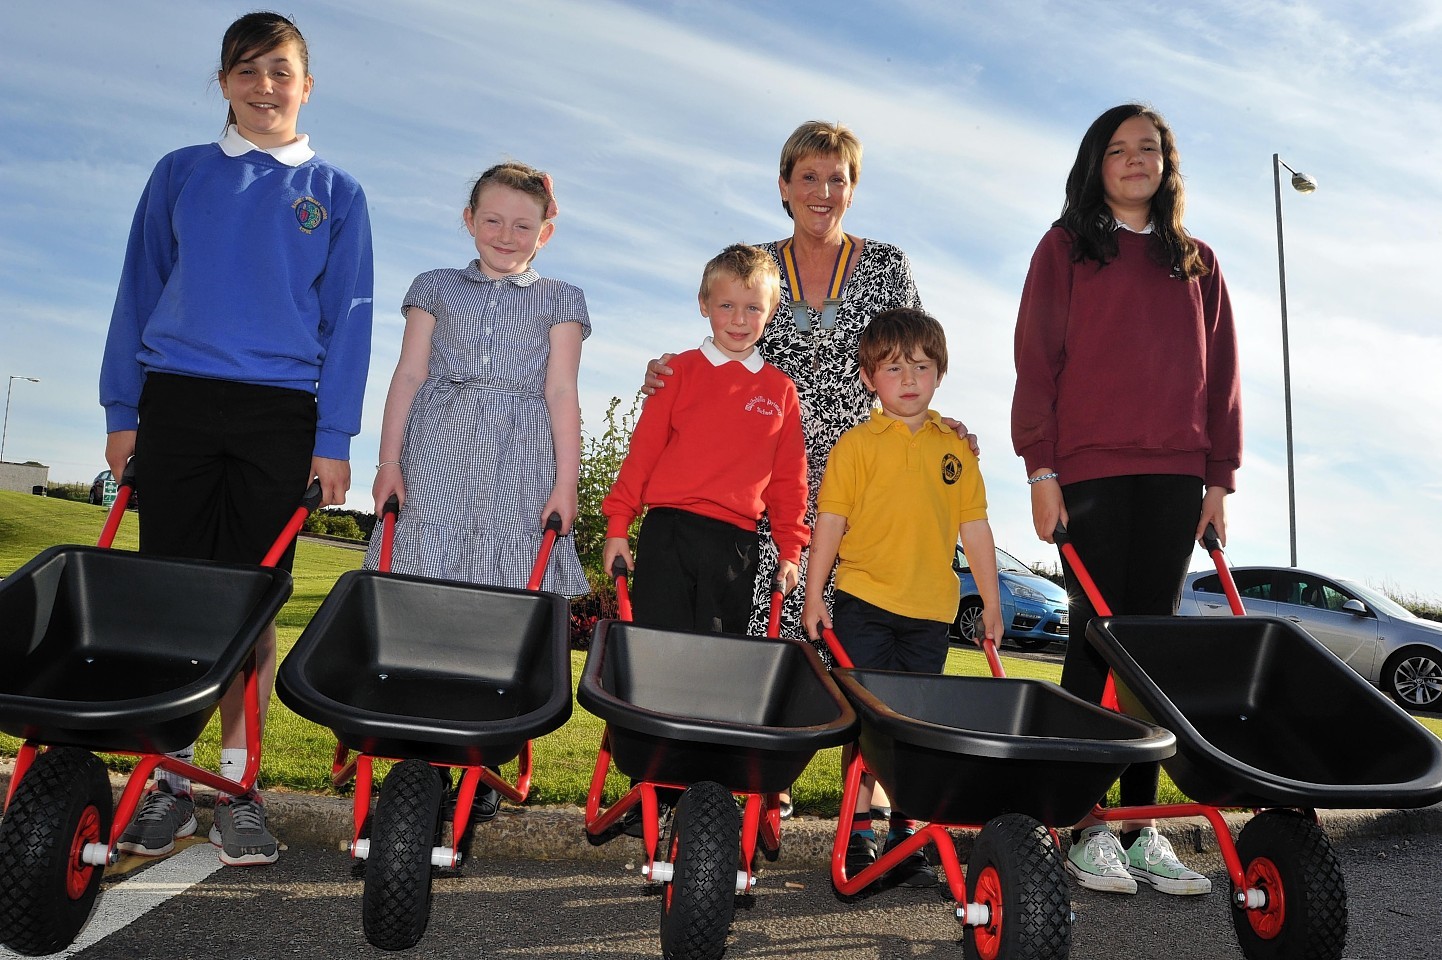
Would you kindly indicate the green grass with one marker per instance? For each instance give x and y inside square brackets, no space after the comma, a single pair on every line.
[298,753]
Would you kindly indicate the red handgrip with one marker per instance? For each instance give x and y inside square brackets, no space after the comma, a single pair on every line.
[623,595]
[543,555]
[834,645]
[389,514]
[1213,545]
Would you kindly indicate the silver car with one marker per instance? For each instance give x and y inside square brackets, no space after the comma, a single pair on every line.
[1381,640]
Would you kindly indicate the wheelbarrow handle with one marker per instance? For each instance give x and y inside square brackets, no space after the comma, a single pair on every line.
[993,659]
[623,593]
[773,616]
[309,501]
[833,644]
[390,511]
[1213,543]
[118,505]
[1089,587]
[543,555]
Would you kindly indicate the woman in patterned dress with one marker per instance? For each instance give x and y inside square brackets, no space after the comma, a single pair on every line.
[481,434]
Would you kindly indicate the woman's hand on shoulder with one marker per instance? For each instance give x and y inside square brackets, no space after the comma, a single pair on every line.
[960,430]
[656,373]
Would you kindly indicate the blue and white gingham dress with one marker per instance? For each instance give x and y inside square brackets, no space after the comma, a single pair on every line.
[477,459]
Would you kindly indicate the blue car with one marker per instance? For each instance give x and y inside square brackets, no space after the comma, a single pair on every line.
[1033,609]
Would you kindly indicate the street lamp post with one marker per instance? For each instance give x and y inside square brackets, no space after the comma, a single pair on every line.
[1302,183]
[6,428]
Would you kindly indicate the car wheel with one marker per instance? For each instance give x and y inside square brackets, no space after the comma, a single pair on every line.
[968,621]
[1413,677]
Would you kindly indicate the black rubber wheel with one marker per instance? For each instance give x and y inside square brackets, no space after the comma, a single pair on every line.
[1288,856]
[699,902]
[397,902]
[1413,677]
[968,621]
[1016,871]
[46,892]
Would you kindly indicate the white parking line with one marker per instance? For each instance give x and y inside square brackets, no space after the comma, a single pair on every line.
[125,902]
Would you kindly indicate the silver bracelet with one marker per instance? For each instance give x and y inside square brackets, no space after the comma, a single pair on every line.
[388,463]
[1045,476]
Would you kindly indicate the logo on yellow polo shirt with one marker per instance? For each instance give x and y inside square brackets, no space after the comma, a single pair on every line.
[950,469]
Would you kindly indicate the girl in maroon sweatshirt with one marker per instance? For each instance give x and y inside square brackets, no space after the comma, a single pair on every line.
[1127,412]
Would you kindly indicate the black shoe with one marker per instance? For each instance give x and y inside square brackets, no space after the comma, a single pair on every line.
[632,825]
[860,854]
[487,805]
[915,870]
[785,809]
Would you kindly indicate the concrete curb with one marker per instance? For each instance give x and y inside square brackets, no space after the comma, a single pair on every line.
[558,832]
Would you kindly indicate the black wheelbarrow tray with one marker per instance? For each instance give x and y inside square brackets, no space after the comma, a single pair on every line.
[681,708]
[963,750]
[1266,716]
[450,673]
[117,652]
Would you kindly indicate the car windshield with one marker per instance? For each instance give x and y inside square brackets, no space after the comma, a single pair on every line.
[1004,561]
[1379,601]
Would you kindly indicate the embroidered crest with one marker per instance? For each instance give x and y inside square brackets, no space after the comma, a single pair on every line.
[308,213]
[764,406]
[950,469]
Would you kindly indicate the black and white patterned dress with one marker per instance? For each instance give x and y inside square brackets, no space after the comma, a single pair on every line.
[478,458]
[833,400]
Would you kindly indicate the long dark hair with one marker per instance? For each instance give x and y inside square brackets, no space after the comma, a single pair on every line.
[1089,219]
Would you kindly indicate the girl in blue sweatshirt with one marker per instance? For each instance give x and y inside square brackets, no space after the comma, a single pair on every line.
[236,363]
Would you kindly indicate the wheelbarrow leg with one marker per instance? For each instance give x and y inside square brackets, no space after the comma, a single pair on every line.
[396,905]
[56,829]
[698,901]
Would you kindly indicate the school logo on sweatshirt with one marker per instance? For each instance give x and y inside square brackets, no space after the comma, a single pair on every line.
[308,213]
[764,406]
[950,469]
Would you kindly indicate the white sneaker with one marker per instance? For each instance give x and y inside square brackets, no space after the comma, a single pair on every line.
[1152,860]
[1098,862]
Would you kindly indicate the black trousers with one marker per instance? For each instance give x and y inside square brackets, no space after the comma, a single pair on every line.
[220,466]
[693,573]
[1134,535]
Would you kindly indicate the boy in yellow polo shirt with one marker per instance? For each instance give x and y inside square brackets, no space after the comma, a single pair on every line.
[898,491]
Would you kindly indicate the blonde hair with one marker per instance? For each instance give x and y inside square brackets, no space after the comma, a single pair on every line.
[751,265]
[820,138]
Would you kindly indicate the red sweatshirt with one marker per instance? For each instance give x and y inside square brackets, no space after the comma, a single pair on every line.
[722,441]
[1124,369]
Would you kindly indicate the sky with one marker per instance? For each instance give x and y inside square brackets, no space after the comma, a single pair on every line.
[662,124]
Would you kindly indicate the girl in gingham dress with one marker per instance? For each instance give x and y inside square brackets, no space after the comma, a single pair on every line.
[481,437]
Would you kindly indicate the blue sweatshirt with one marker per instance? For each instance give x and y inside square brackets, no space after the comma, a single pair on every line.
[247,269]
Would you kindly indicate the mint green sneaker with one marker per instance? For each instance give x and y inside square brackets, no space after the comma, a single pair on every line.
[1098,862]
[1151,860]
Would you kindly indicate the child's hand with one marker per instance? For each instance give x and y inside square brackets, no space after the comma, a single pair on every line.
[334,477]
[656,373]
[616,547]
[991,625]
[789,575]
[562,501]
[814,616]
[388,482]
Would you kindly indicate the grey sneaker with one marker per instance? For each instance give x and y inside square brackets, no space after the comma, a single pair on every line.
[239,831]
[163,818]
[1098,862]
[1151,859]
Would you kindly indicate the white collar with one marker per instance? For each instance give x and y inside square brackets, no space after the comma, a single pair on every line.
[1121,225]
[291,154]
[713,353]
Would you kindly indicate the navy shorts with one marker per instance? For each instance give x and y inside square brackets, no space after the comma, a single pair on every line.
[878,639]
[220,466]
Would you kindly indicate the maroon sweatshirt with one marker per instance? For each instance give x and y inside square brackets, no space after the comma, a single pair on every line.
[1123,369]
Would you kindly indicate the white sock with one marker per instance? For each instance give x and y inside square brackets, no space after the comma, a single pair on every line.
[178,783]
[232,764]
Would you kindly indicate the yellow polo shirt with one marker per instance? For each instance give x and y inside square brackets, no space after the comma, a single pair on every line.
[904,496]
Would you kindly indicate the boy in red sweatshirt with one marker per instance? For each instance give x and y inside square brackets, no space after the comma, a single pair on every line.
[720,445]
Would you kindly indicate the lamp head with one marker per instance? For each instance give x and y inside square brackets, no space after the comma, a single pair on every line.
[1303,183]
